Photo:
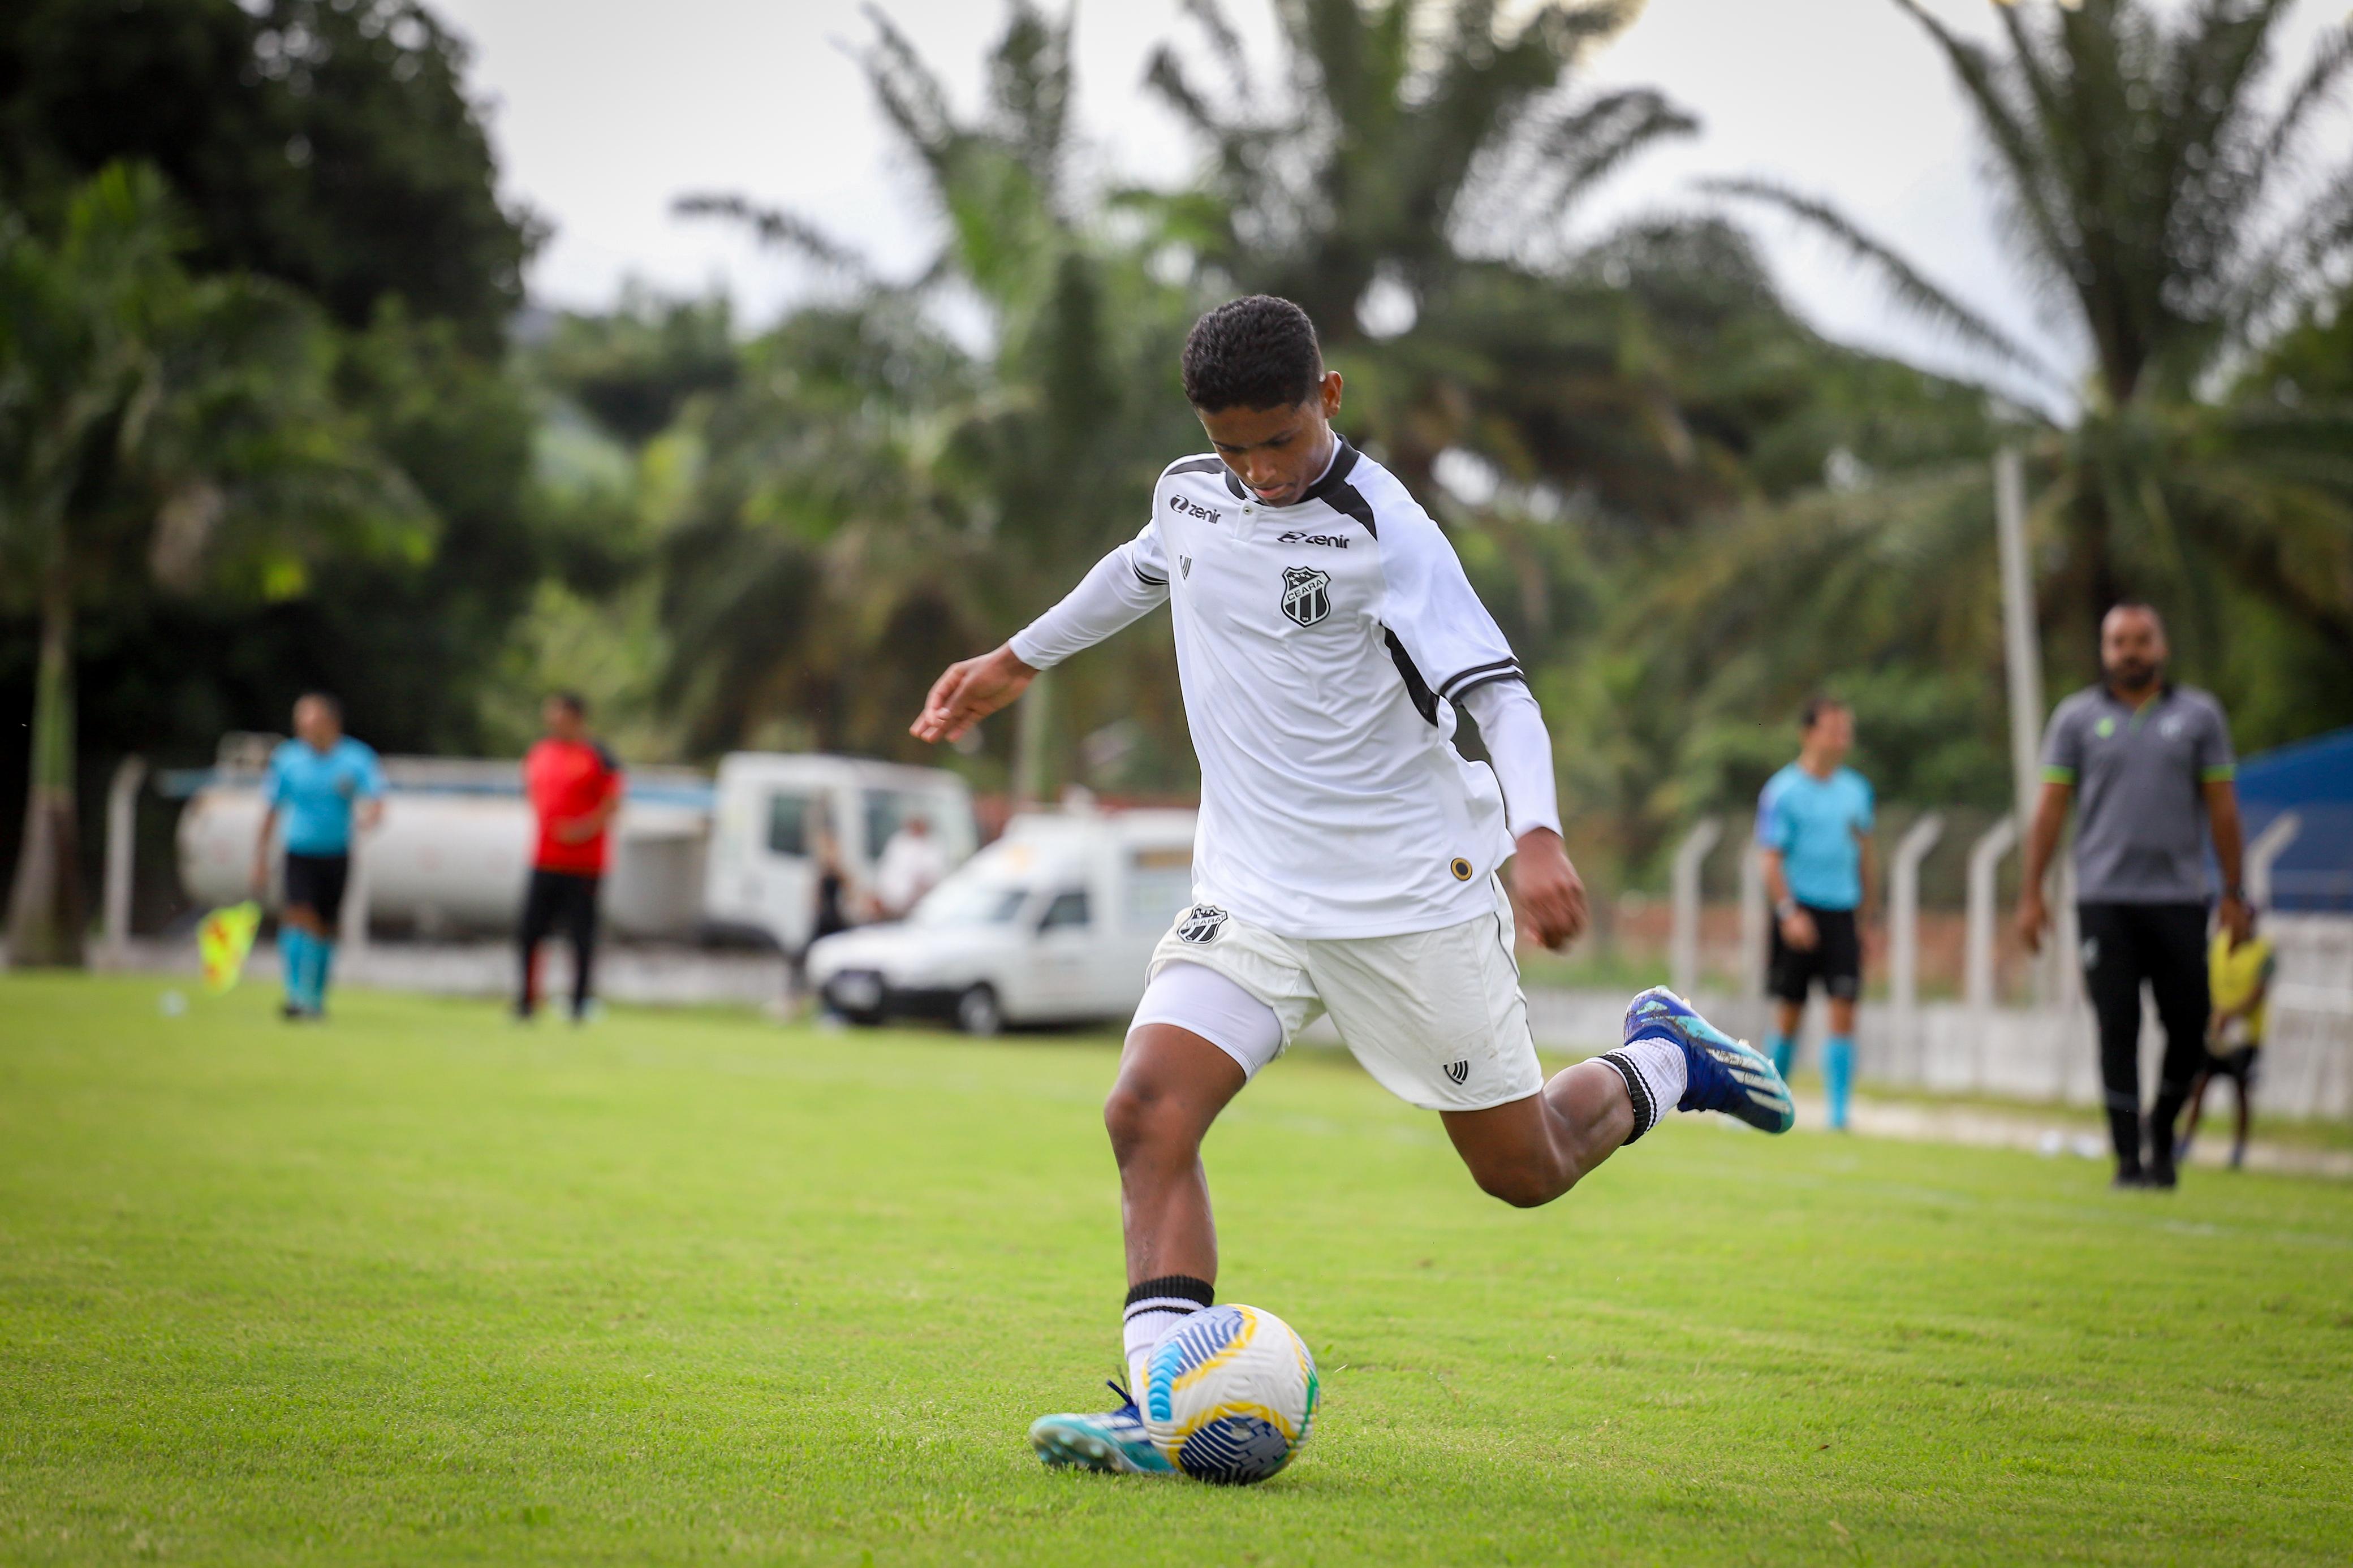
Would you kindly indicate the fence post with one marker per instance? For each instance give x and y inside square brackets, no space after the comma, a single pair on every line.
[2268,846]
[1903,935]
[121,846]
[352,931]
[1985,855]
[1756,909]
[1683,951]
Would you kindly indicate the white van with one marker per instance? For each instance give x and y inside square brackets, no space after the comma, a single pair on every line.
[1053,923]
[773,807]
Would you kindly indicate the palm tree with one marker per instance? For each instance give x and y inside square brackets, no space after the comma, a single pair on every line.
[158,425]
[2148,191]
[984,486]
[1417,166]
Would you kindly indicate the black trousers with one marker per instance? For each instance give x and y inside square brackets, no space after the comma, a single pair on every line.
[565,902]
[2163,945]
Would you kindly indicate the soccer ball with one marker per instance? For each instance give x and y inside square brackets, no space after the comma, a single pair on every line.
[1231,1395]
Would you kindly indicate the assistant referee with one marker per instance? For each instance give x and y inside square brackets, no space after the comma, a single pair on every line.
[2153,765]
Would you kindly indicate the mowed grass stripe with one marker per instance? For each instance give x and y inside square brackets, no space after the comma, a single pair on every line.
[419,1285]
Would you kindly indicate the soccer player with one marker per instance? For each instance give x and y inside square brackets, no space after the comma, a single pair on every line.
[1813,833]
[324,783]
[2239,970]
[2153,765]
[1346,857]
[575,786]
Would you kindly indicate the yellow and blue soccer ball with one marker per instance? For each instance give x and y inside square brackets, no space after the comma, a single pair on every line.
[1231,1395]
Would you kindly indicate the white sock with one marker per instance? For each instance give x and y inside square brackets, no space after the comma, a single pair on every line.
[1155,1309]
[1656,1075]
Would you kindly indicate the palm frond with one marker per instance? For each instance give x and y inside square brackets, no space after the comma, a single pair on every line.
[2011,130]
[779,227]
[1593,141]
[1912,290]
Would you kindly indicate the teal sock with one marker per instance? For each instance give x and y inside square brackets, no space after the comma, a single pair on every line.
[293,943]
[1785,1054]
[1838,1075]
[321,957]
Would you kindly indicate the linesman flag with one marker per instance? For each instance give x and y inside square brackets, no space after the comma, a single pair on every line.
[224,940]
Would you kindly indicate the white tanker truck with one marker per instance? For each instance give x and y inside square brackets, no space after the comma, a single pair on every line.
[691,856]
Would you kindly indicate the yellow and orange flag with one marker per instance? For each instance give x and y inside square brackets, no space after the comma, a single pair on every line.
[223,940]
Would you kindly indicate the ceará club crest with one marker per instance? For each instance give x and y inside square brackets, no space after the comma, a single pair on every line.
[1306,595]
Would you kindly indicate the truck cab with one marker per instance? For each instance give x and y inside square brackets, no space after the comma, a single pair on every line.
[1055,922]
[771,811]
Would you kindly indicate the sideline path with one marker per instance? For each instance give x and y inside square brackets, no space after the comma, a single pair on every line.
[1921,1121]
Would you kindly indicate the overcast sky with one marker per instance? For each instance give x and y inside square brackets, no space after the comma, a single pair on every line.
[603,111]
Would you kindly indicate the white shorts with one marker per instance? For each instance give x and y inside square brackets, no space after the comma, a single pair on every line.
[1435,1015]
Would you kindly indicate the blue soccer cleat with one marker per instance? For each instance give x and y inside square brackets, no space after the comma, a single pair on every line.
[1115,1443]
[1723,1073]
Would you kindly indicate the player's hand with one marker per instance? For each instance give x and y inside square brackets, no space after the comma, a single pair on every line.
[2236,918]
[1551,895]
[1798,931]
[2033,919]
[970,691]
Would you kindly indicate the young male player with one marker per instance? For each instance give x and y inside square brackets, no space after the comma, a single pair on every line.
[1347,855]
[324,783]
[1813,833]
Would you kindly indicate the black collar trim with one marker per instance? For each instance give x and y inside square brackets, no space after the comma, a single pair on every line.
[1336,475]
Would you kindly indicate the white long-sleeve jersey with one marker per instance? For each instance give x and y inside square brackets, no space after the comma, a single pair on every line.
[1323,647]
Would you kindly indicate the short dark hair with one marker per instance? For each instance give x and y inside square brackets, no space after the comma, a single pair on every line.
[1256,351]
[2138,607]
[571,700]
[1816,706]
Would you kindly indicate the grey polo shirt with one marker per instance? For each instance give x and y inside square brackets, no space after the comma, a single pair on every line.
[2139,778]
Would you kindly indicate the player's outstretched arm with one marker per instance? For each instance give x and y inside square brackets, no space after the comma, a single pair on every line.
[1125,585]
[970,690]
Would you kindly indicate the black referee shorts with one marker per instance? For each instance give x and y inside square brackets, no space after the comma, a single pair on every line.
[316,882]
[1835,959]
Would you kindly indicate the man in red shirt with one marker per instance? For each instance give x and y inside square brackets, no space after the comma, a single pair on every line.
[575,786]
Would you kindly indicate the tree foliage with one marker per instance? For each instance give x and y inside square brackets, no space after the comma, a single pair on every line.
[2145,176]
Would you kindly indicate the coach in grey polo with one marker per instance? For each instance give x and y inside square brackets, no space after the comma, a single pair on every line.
[2151,766]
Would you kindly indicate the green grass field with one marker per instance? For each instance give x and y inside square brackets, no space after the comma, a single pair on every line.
[420,1287]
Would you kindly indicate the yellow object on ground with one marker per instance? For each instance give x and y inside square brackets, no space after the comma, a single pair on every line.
[224,940]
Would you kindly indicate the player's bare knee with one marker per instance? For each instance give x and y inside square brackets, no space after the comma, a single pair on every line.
[1521,1187]
[1141,1119]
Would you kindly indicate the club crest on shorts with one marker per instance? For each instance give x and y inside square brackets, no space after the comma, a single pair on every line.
[1306,595]
[1458,1071]
[1201,924]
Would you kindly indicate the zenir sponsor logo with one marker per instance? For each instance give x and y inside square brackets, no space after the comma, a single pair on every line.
[1194,509]
[1201,924]
[1333,540]
[1458,1071]
[1306,595]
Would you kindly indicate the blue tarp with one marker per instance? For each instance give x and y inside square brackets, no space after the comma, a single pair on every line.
[2314,779]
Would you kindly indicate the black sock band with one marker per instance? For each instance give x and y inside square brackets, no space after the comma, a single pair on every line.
[1171,1293]
[1646,1110]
